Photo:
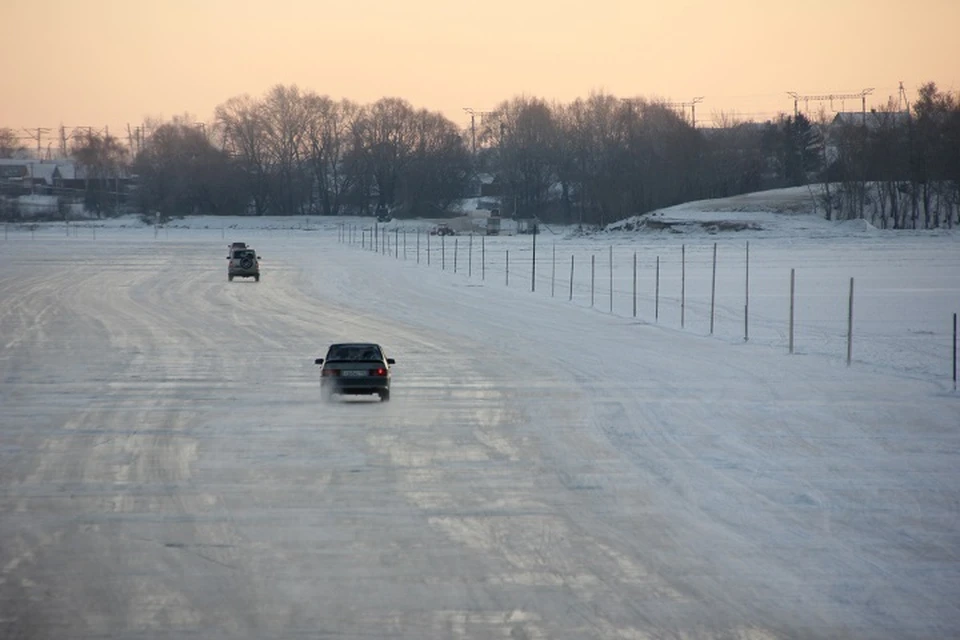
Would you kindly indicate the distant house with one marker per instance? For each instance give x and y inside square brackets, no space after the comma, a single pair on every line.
[31,176]
[872,119]
[14,176]
[13,168]
[41,176]
[490,186]
[53,177]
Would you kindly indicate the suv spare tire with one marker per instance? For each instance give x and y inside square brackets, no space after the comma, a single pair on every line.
[246,262]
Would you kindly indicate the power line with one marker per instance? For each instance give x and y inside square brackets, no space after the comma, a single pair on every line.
[683,106]
[38,136]
[827,97]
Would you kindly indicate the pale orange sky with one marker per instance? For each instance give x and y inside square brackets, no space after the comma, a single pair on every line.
[114,62]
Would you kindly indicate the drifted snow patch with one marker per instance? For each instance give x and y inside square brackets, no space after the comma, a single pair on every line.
[859,225]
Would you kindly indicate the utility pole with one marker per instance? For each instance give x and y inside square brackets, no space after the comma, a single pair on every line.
[903,103]
[38,136]
[473,125]
[683,108]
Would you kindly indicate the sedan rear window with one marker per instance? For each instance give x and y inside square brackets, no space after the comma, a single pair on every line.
[354,353]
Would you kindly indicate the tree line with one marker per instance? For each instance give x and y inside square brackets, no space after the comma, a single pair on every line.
[593,160]
[897,169]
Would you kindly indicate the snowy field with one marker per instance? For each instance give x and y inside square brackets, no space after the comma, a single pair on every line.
[548,468]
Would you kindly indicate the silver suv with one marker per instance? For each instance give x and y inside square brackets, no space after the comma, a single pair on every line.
[244,263]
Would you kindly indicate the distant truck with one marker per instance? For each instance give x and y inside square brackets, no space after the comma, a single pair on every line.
[493,223]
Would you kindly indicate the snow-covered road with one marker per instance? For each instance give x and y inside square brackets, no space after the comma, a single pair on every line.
[543,471]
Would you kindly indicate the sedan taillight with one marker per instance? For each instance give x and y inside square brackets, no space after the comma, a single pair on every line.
[380,371]
[328,373]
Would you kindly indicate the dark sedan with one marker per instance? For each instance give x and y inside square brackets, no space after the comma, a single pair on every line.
[355,368]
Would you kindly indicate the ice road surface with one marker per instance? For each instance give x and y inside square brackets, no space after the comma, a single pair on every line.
[544,470]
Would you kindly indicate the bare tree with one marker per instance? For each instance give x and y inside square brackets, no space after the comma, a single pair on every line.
[10,146]
[284,126]
[526,133]
[102,159]
[328,137]
[386,135]
[242,128]
[439,165]
[182,172]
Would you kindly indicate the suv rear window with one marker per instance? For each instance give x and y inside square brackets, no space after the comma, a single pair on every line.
[243,254]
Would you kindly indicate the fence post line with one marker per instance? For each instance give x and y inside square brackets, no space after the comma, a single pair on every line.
[418,246]
[376,237]
[404,244]
[792,290]
[634,284]
[656,304]
[396,243]
[553,271]
[443,253]
[593,279]
[850,326]
[456,244]
[611,279]
[683,283]
[483,258]
[428,249]
[713,288]
[533,263]
[571,278]
[470,257]
[507,268]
